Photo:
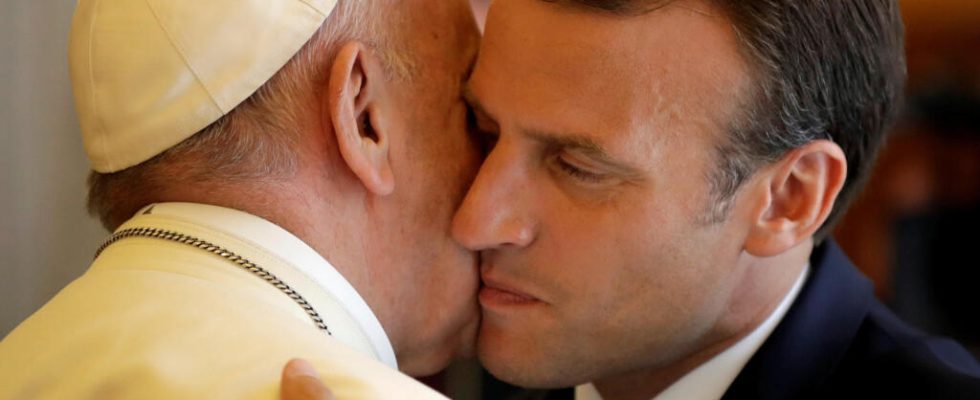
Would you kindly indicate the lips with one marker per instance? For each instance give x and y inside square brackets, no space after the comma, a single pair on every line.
[495,293]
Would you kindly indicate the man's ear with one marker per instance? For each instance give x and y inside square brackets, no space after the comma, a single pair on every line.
[797,195]
[357,85]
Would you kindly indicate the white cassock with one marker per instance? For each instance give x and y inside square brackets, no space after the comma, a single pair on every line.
[157,319]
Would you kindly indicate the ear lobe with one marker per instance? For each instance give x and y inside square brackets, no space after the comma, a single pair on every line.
[356,86]
[799,193]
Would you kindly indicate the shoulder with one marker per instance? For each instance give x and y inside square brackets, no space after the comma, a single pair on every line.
[889,357]
[153,335]
[837,340]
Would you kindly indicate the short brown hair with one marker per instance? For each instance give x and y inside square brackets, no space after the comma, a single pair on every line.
[824,70]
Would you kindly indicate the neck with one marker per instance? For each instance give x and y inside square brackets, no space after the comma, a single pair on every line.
[329,220]
[646,384]
[765,284]
[327,207]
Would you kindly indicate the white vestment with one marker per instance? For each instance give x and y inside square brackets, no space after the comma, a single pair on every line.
[157,319]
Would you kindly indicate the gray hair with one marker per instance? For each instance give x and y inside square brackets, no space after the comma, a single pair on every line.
[256,141]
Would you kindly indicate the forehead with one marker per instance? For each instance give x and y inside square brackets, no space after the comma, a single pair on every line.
[679,63]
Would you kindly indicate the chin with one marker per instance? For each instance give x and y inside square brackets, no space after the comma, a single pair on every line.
[527,375]
[519,362]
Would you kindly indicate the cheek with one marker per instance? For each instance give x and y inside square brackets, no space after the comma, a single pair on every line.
[447,154]
[627,262]
[593,258]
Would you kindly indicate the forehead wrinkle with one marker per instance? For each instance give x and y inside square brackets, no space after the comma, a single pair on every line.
[560,78]
[611,46]
[701,8]
[581,33]
[704,105]
[588,60]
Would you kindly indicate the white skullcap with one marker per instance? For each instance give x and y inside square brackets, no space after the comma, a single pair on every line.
[148,74]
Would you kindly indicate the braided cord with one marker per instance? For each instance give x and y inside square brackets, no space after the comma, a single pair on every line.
[219,251]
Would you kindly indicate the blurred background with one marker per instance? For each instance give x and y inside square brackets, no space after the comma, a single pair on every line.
[46,238]
[912,231]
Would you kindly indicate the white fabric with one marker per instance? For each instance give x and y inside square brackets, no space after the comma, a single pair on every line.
[148,74]
[292,250]
[156,319]
[710,380]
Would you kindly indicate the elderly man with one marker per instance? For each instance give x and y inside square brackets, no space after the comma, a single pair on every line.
[653,214]
[237,147]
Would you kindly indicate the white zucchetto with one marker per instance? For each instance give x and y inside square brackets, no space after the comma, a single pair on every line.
[148,74]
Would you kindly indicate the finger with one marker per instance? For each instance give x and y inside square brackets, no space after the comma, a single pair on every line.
[300,381]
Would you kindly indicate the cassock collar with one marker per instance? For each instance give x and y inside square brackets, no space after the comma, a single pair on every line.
[288,249]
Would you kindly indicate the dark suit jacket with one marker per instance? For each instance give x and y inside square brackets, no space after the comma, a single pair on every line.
[838,341]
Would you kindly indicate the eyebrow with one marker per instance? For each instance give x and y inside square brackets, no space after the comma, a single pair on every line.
[592,149]
[554,140]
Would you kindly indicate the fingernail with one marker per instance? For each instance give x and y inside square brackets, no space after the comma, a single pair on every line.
[299,366]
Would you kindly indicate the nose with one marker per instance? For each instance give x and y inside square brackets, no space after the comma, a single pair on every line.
[496,212]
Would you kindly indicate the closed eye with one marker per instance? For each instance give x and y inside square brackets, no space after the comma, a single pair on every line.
[577,173]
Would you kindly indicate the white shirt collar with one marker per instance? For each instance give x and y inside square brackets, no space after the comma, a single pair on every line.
[293,251]
[711,379]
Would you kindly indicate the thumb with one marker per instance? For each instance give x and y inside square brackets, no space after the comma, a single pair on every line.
[300,381]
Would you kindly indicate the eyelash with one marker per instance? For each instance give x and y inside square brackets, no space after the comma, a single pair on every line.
[577,173]
[487,140]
